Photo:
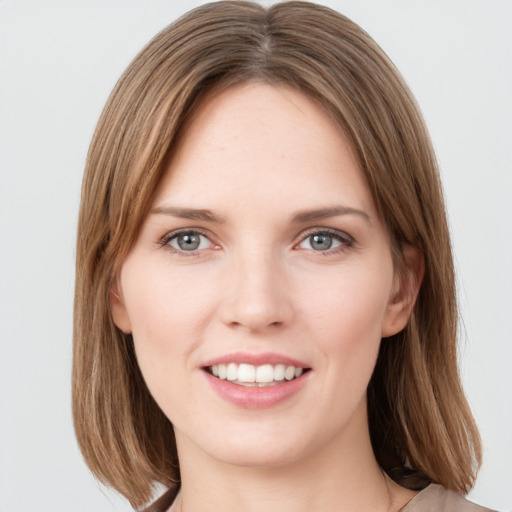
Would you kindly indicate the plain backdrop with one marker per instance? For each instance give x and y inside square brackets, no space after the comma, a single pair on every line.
[58,62]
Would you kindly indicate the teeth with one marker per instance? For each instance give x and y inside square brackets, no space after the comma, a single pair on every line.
[223,371]
[265,373]
[247,374]
[232,373]
[279,370]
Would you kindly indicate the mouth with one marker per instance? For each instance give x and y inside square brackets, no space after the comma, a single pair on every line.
[249,375]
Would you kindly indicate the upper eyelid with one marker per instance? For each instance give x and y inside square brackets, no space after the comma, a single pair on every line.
[331,231]
[171,234]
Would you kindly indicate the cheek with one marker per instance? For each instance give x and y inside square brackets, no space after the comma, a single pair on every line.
[165,332]
[166,314]
[159,301]
[352,304]
[347,326]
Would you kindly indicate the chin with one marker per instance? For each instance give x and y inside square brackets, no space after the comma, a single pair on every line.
[253,446]
[255,457]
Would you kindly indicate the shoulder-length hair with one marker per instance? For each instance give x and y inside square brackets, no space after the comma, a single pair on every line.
[420,424]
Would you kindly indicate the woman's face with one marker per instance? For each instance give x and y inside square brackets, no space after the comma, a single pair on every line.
[261,283]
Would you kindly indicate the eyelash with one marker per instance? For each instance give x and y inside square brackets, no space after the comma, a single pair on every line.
[346,241]
[165,241]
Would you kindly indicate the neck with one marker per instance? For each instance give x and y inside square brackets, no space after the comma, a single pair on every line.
[344,475]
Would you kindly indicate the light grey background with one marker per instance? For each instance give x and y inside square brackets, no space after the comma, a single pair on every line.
[58,63]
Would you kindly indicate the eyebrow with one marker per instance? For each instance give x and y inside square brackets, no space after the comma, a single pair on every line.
[189,213]
[298,218]
[331,211]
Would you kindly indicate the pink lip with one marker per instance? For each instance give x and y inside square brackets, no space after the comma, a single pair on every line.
[256,359]
[255,397]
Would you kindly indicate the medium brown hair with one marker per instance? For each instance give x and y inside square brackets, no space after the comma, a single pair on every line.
[420,424]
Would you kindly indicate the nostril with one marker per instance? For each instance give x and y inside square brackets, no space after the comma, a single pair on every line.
[254,324]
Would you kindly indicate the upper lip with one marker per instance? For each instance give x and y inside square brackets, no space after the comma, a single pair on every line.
[256,359]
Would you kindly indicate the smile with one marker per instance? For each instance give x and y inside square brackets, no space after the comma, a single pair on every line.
[255,376]
[256,381]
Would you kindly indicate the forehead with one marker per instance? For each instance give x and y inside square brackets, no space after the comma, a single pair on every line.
[257,141]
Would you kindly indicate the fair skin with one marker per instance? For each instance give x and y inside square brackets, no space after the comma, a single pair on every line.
[263,247]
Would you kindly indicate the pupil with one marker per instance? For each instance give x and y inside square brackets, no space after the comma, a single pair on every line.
[321,242]
[188,242]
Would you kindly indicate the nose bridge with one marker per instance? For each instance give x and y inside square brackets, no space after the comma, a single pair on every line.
[256,292]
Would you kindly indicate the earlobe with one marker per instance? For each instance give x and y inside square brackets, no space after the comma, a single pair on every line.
[119,312]
[405,291]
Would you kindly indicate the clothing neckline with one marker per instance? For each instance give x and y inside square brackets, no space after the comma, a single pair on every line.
[415,498]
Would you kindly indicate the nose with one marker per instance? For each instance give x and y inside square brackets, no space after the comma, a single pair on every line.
[255,293]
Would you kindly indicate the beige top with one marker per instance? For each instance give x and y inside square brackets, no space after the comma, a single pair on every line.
[436,498]
[433,498]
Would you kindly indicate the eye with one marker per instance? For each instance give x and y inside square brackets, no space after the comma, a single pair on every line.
[187,241]
[323,241]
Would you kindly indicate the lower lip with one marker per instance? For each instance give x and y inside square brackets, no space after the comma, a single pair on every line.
[249,397]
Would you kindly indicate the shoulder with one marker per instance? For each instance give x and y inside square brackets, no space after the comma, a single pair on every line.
[436,498]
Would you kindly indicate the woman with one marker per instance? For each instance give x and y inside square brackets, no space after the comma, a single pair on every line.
[265,307]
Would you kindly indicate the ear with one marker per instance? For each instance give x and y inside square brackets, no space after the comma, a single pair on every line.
[118,309]
[405,290]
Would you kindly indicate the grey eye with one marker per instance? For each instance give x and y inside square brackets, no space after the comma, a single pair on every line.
[322,241]
[190,241]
